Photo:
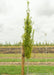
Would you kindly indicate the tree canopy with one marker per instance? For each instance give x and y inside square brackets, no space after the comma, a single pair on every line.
[28,34]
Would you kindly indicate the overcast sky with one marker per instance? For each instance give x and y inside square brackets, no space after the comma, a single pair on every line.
[13,12]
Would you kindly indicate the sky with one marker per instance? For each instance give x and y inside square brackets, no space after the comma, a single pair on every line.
[13,12]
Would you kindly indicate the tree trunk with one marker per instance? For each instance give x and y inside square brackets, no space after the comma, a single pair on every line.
[23,60]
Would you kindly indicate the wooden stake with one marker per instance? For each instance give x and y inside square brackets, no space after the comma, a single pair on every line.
[22,60]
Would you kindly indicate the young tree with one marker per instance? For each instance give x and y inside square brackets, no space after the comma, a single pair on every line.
[27,37]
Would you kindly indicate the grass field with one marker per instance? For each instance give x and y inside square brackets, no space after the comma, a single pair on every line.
[32,69]
[32,55]
[13,70]
[30,60]
[10,55]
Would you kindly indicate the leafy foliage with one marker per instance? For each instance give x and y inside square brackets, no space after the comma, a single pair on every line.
[28,35]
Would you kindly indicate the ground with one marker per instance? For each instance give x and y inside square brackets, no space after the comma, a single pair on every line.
[39,64]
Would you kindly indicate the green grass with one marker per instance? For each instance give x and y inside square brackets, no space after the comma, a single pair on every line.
[32,69]
[43,54]
[32,55]
[41,60]
[10,60]
[10,55]
[30,60]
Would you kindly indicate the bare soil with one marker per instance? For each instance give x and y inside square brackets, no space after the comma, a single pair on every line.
[30,63]
[32,58]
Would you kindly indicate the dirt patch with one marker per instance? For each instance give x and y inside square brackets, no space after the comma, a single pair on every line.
[36,49]
[30,63]
[10,57]
[31,58]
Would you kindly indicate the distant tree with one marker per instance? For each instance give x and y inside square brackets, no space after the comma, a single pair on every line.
[19,43]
